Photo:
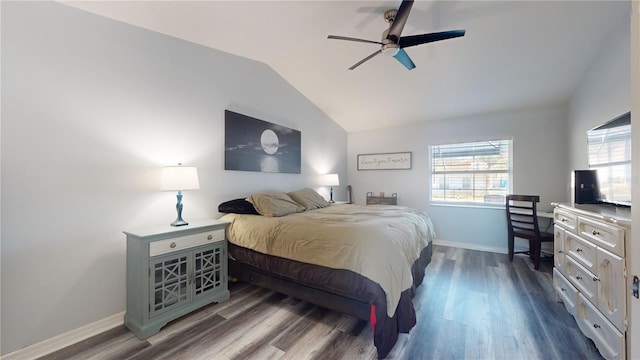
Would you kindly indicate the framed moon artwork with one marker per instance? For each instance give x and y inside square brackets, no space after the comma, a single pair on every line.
[257,145]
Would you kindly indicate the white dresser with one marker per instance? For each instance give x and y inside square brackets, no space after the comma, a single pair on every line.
[589,272]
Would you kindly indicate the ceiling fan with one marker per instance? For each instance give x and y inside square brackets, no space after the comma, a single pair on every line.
[393,44]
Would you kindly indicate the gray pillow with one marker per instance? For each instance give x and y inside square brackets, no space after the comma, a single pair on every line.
[309,199]
[274,204]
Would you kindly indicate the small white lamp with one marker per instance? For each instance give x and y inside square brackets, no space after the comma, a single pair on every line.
[331,180]
[180,178]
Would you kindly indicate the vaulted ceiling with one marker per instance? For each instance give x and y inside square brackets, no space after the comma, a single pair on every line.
[515,54]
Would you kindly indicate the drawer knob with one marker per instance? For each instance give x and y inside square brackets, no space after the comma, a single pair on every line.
[596,326]
[595,279]
[563,289]
[560,252]
[595,233]
[564,220]
[579,250]
[173,245]
[578,277]
[209,237]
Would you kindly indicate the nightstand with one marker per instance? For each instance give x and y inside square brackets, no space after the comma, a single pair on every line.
[172,271]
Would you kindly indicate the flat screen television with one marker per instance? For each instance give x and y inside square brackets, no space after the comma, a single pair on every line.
[609,149]
[585,187]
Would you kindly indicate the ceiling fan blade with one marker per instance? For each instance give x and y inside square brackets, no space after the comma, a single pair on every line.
[336,37]
[414,40]
[401,18]
[365,59]
[404,59]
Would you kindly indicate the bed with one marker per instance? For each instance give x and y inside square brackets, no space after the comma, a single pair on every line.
[365,261]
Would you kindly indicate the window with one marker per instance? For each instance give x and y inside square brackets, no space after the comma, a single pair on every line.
[477,172]
[609,149]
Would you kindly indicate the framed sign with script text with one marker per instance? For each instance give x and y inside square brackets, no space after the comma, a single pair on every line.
[385,161]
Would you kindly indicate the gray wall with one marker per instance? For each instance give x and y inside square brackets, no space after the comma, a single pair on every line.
[91,110]
[603,94]
[538,156]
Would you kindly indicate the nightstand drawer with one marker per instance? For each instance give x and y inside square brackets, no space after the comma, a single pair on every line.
[184,242]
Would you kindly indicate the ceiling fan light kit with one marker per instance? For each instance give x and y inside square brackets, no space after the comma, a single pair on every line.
[390,49]
[393,44]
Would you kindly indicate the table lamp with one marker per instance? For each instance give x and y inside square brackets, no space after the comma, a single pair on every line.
[331,180]
[180,178]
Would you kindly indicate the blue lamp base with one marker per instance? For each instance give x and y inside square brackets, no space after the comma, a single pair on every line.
[179,221]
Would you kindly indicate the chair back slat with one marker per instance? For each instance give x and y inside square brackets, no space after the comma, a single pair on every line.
[522,214]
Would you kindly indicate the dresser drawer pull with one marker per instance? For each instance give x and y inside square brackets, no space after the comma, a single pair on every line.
[596,326]
[595,279]
[560,252]
[173,245]
[579,250]
[564,220]
[578,277]
[595,233]
[563,289]
[209,237]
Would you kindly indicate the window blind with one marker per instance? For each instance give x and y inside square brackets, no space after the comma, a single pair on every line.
[471,172]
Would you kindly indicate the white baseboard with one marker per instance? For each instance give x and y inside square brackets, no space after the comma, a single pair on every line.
[464,245]
[469,246]
[69,338]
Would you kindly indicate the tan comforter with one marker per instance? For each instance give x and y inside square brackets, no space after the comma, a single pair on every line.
[379,242]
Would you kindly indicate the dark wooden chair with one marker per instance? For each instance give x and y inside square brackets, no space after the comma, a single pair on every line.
[522,222]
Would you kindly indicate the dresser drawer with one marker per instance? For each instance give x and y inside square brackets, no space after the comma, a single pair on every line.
[581,278]
[609,237]
[612,294]
[565,219]
[581,250]
[608,339]
[184,242]
[567,293]
[558,247]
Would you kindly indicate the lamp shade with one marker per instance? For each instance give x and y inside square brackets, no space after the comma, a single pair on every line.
[331,180]
[180,178]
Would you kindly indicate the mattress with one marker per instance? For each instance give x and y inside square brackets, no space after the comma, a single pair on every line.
[380,243]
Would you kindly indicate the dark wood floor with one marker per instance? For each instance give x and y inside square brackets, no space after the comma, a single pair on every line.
[472,305]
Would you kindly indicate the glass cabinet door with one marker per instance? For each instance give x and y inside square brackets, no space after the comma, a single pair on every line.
[169,283]
[208,275]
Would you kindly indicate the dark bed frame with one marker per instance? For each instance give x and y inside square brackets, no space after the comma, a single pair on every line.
[384,339]
[252,275]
